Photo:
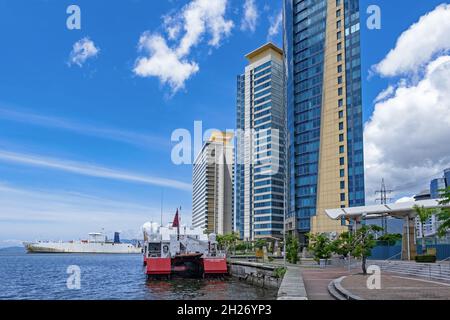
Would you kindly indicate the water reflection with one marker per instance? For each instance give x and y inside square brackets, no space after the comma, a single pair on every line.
[206,289]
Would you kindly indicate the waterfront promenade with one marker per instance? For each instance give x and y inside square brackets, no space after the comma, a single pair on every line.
[292,287]
[397,287]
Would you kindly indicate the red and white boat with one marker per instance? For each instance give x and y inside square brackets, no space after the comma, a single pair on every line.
[183,251]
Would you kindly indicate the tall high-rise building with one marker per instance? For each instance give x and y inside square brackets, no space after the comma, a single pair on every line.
[436,187]
[447,177]
[260,161]
[324,112]
[213,178]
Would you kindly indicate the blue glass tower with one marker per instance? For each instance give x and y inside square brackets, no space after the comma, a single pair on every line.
[324,112]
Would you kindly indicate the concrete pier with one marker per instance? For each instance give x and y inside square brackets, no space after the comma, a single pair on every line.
[292,287]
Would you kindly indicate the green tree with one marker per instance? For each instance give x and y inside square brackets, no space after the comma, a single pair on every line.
[227,241]
[423,214]
[343,245]
[321,246]
[390,238]
[292,249]
[260,243]
[363,241]
[444,213]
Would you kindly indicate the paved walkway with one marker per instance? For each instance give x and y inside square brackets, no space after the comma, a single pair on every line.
[292,287]
[398,287]
[316,281]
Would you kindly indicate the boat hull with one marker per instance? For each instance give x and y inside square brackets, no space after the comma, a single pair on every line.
[188,266]
[82,248]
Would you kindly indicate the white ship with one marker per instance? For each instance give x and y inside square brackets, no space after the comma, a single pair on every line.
[97,243]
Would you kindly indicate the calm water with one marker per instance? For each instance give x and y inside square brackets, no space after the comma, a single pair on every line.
[44,276]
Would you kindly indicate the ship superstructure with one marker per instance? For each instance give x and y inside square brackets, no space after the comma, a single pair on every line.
[181,250]
[96,243]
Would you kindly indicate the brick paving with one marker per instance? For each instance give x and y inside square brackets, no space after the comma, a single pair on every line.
[398,287]
[316,281]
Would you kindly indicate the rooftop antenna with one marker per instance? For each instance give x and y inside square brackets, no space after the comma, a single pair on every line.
[384,200]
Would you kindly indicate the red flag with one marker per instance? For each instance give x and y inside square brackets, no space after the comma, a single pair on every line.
[176,221]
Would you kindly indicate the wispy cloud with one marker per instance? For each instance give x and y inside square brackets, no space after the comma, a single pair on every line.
[90,170]
[251,15]
[83,50]
[124,136]
[275,25]
[48,214]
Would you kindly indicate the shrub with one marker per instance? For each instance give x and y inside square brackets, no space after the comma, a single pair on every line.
[279,272]
[426,258]
[320,246]
[292,250]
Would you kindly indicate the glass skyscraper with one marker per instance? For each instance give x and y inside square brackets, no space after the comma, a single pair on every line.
[260,157]
[324,112]
[447,177]
[436,185]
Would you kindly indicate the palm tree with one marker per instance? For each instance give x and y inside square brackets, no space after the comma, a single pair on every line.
[423,214]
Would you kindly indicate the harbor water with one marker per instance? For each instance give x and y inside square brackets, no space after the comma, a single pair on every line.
[107,277]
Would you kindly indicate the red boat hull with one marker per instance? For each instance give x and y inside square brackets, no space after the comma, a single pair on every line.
[159,266]
[215,266]
[196,267]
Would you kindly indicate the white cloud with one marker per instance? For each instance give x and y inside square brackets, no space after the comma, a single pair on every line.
[386,93]
[407,137]
[251,15]
[275,25]
[187,29]
[83,50]
[84,129]
[90,170]
[163,62]
[419,44]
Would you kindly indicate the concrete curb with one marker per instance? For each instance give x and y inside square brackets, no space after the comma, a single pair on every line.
[347,295]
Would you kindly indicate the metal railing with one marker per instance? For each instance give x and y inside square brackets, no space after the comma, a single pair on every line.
[391,258]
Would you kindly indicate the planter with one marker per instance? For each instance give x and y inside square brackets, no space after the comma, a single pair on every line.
[426,259]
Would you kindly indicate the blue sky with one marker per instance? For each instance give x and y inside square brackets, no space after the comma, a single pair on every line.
[87,146]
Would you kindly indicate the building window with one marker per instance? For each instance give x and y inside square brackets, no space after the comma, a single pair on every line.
[339,68]
[342,161]
[338,24]
[339,35]
[342,173]
[341,149]
[338,3]
[339,47]
[341,114]
[342,185]
[341,138]
[338,13]
[340,80]
[341,126]
[339,57]
[340,91]
[342,196]
[340,103]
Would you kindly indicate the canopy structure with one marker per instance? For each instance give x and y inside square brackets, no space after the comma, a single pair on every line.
[396,210]
[401,210]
